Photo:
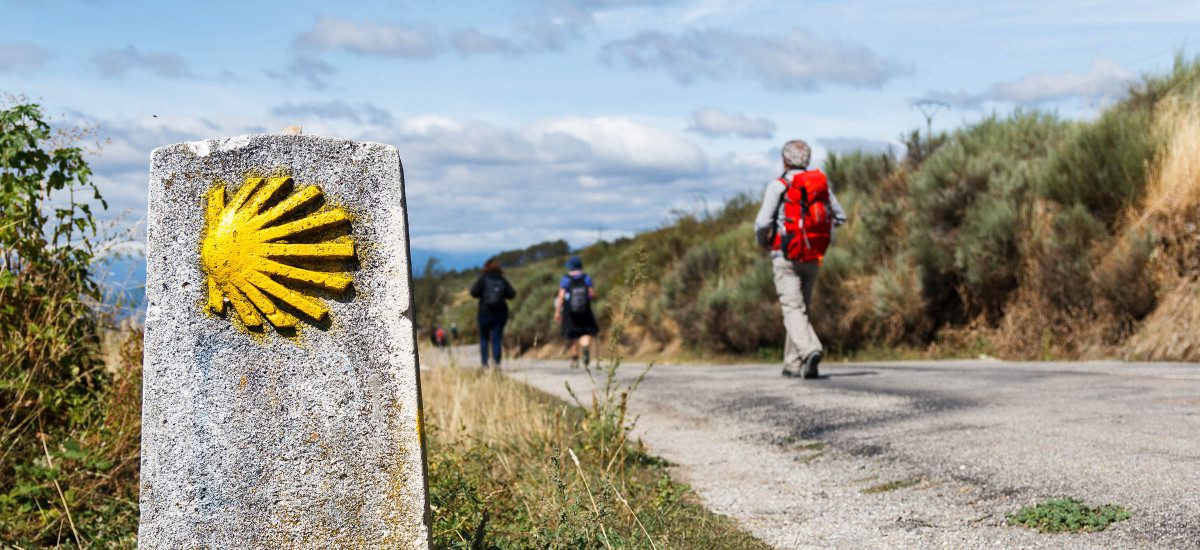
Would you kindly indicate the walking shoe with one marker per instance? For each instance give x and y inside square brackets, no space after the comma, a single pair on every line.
[789,373]
[810,365]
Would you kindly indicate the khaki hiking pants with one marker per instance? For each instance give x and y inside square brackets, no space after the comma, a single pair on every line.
[794,282]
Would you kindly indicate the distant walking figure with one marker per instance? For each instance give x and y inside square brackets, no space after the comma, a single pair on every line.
[573,308]
[493,291]
[795,222]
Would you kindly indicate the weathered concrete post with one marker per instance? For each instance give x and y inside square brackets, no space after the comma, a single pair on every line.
[281,405]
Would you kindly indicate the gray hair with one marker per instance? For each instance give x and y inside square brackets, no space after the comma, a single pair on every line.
[796,154]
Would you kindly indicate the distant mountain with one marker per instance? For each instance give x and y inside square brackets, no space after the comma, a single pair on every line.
[447,260]
[123,282]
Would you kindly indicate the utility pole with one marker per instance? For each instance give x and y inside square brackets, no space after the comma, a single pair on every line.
[929,107]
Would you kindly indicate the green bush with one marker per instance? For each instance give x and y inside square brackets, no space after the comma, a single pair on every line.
[896,303]
[1066,264]
[832,301]
[683,287]
[1102,165]
[742,317]
[967,207]
[69,458]
[858,171]
[531,321]
[985,255]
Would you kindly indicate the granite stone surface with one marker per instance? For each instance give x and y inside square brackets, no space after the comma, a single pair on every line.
[263,439]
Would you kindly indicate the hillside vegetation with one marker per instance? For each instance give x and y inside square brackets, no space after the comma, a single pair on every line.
[1022,235]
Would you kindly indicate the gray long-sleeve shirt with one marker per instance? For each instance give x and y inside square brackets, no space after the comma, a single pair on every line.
[771,211]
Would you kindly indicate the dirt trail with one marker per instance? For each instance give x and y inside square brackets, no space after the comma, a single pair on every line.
[968,441]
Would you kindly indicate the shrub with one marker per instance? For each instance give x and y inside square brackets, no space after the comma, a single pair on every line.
[858,171]
[1066,266]
[896,304]
[965,210]
[1124,279]
[682,287]
[1102,165]
[833,316]
[985,254]
[531,321]
[742,317]
[69,457]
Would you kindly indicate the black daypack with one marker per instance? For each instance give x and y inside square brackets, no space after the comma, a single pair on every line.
[578,299]
[493,291]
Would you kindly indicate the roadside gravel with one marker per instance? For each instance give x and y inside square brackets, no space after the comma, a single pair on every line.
[968,441]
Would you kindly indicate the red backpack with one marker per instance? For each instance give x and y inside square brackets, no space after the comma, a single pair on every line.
[807,221]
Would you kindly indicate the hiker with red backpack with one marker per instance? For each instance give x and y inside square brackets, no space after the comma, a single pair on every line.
[573,308]
[493,292]
[795,222]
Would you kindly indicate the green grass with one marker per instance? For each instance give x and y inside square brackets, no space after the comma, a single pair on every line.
[1068,515]
[891,486]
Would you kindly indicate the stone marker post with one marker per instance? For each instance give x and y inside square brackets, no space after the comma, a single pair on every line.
[281,399]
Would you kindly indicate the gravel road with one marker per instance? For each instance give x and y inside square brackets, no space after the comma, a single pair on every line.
[970,441]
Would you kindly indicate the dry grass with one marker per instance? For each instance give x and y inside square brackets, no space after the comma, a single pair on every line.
[467,404]
[1172,210]
[1174,191]
[511,467]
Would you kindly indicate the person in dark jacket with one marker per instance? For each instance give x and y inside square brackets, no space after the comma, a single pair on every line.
[493,292]
[573,308]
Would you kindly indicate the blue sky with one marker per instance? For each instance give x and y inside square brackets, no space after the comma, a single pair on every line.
[527,121]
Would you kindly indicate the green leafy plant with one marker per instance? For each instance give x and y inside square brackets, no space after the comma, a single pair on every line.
[1068,515]
[68,448]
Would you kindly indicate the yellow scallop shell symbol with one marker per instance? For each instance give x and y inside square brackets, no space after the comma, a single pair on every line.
[250,247]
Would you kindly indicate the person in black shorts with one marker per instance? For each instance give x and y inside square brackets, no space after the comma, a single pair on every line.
[573,309]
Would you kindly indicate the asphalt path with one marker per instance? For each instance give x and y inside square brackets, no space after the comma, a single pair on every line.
[808,463]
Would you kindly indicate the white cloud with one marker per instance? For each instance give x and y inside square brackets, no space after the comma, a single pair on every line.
[312,70]
[564,21]
[22,57]
[568,177]
[795,60]
[619,144]
[717,123]
[473,41]
[369,38]
[117,63]
[474,186]
[1104,80]
[396,39]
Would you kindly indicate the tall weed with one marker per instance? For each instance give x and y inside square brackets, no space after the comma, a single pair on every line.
[69,445]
